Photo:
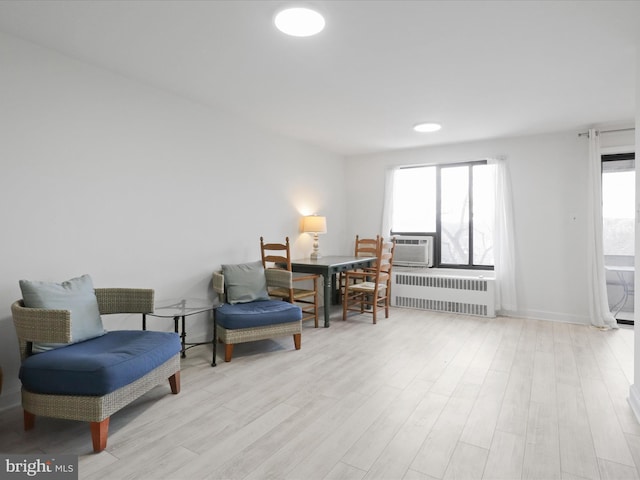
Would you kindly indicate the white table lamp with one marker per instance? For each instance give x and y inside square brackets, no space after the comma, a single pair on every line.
[314,224]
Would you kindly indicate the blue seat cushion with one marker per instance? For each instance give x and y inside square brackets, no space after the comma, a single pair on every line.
[257,314]
[100,365]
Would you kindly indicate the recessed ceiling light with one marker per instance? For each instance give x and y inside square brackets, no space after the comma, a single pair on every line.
[427,127]
[299,22]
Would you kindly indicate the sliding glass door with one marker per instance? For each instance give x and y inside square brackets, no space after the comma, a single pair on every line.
[618,216]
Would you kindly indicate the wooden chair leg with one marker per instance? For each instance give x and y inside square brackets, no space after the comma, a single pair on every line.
[29,420]
[345,302]
[297,340]
[99,432]
[228,351]
[174,381]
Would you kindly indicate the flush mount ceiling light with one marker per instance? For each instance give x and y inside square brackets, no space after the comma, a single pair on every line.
[299,22]
[427,127]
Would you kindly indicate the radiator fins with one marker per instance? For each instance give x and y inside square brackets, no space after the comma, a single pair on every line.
[463,295]
[442,306]
[450,283]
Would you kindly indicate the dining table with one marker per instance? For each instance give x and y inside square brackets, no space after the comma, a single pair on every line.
[328,267]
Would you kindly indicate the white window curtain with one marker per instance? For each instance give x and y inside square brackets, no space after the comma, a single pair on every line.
[598,301]
[387,208]
[503,241]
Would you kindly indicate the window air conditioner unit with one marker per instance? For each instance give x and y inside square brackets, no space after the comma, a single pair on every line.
[413,251]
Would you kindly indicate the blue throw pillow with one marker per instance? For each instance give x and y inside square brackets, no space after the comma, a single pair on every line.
[245,282]
[76,295]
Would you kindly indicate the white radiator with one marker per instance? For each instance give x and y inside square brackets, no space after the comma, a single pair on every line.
[444,293]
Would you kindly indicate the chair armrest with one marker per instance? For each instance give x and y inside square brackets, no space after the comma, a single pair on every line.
[218,285]
[125,300]
[40,325]
[278,278]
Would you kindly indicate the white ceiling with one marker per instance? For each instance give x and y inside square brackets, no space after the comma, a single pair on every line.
[480,68]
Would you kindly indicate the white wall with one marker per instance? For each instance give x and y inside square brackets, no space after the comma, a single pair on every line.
[548,174]
[138,188]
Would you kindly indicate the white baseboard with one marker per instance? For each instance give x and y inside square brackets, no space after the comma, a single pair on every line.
[550,316]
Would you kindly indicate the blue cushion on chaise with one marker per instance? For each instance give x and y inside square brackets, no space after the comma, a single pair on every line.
[100,365]
[257,314]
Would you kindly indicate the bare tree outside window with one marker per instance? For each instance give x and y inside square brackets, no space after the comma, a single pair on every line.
[454,215]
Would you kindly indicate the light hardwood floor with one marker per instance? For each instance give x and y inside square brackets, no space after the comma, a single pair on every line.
[418,396]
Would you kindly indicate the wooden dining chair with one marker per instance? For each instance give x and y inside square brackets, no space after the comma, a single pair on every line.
[278,256]
[364,247]
[370,289]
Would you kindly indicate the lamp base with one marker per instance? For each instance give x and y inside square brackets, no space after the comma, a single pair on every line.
[315,255]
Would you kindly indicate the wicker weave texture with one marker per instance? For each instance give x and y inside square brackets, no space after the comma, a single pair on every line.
[125,300]
[275,278]
[96,409]
[40,325]
[54,326]
[278,278]
[242,335]
[218,284]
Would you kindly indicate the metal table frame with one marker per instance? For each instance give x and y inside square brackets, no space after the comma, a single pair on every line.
[181,309]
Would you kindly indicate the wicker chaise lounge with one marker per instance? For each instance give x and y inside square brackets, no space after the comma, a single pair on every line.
[107,372]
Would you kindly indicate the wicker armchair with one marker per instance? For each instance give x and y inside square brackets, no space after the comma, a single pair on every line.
[270,327]
[42,325]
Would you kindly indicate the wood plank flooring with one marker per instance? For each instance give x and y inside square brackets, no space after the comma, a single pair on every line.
[419,396]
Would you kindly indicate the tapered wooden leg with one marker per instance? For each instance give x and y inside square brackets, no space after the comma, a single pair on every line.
[228,351]
[297,340]
[99,432]
[345,302]
[316,311]
[174,381]
[29,420]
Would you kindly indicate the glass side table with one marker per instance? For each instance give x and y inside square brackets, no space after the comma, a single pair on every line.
[181,309]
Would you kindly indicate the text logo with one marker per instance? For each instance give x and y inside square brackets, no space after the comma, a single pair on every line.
[58,467]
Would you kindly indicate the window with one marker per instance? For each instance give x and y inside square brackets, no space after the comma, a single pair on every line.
[454,204]
[618,232]
[618,204]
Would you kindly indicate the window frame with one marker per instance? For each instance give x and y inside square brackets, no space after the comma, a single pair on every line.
[615,157]
[437,235]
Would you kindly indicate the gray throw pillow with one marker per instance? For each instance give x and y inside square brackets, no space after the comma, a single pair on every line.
[76,295]
[245,282]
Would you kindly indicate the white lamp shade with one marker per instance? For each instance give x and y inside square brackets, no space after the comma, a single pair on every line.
[314,224]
